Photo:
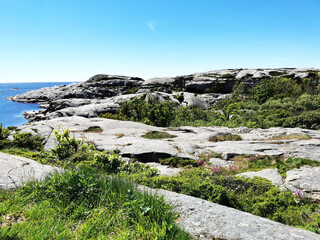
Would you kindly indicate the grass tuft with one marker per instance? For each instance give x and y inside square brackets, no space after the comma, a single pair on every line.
[158,135]
[220,138]
[291,137]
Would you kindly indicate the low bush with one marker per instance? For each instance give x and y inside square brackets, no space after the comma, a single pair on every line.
[27,140]
[74,151]
[4,132]
[180,162]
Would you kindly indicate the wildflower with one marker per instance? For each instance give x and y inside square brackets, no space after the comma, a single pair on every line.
[252,157]
[216,169]
[298,193]
[200,162]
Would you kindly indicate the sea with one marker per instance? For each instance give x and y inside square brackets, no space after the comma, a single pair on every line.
[11,112]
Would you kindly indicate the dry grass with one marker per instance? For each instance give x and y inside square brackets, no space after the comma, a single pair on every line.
[220,138]
[158,135]
[118,135]
[291,137]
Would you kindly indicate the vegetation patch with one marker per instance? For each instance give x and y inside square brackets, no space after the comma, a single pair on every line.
[274,102]
[81,204]
[228,75]
[158,135]
[87,204]
[181,162]
[94,129]
[291,137]
[257,196]
[230,137]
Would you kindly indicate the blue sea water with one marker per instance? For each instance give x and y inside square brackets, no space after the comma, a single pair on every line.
[11,112]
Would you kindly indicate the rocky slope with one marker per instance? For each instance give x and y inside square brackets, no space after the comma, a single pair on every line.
[202,219]
[193,142]
[105,93]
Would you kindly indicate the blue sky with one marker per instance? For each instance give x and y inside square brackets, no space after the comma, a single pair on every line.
[72,40]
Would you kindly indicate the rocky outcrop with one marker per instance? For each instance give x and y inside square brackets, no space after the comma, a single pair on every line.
[271,174]
[97,87]
[100,94]
[188,142]
[192,143]
[223,81]
[304,182]
[206,220]
[16,170]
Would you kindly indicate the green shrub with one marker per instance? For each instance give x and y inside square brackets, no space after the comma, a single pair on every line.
[27,140]
[68,146]
[179,162]
[4,133]
[310,120]
[70,149]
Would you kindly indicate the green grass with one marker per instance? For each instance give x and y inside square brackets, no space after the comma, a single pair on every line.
[82,204]
[157,135]
[220,138]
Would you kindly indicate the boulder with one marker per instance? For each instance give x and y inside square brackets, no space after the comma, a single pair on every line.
[271,174]
[205,220]
[16,170]
[305,181]
[165,170]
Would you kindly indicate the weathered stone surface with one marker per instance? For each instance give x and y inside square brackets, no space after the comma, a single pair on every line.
[271,174]
[206,221]
[305,179]
[219,162]
[88,108]
[188,143]
[15,170]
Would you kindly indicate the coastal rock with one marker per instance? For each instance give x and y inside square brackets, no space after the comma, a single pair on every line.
[199,90]
[16,170]
[271,174]
[188,142]
[97,87]
[305,181]
[88,108]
